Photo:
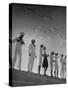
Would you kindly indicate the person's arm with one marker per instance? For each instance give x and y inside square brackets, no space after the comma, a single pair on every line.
[42,54]
[47,55]
[60,60]
[22,42]
[29,50]
[53,60]
[14,40]
[35,52]
[58,56]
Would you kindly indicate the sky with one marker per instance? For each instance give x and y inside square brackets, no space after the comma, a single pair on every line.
[45,24]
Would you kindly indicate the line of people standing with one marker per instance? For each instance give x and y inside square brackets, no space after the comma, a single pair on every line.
[54,65]
[43,57]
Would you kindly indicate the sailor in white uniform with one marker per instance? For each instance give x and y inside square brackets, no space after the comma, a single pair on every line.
[18,49]
[32,55]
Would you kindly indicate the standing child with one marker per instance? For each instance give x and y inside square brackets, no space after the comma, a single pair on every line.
[51,63]
[56,65]
[40,58]
[63,66]
[61,61]
[45,61]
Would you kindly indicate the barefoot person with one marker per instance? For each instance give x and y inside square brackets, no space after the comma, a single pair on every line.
[18,49]
[32,55]
[40,58]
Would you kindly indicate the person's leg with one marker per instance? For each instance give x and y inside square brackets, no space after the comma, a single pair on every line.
[56,69]
[20,60]
[51,70]
[39,69]
[63,71]
[29,64]
[32,63]
[55,72]
[45,69]
[51,74]
[14,60]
